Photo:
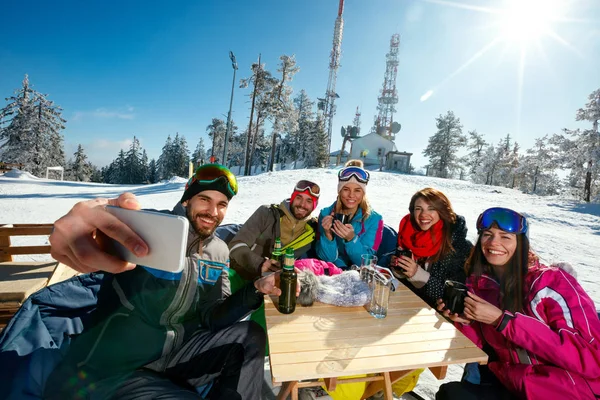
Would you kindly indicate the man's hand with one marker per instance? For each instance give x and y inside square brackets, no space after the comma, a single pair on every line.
[480,310]
[345,231]
[78,239]
[270,284]
[270,266]
[327,224]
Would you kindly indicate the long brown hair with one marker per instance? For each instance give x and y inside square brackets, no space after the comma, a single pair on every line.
[513,280]
[442,205]
[364,205]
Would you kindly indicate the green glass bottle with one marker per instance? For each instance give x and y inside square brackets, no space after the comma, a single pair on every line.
[277,254]
[287,284]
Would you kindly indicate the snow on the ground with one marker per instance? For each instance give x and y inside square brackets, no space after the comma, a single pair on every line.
[560,229]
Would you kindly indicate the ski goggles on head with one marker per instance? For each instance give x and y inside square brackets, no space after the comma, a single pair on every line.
[506,219]
[211,172]
[360,174]
[313,188]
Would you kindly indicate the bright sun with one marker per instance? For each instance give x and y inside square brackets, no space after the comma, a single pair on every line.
[523,21]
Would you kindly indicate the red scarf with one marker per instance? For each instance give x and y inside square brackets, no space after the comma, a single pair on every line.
[420,242]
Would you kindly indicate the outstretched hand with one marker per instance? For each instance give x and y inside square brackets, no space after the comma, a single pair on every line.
[270,284]
[78,239]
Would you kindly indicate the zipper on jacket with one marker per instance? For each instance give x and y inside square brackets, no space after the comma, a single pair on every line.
[186,286]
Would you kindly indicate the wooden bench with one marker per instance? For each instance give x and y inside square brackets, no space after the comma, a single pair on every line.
[19,279]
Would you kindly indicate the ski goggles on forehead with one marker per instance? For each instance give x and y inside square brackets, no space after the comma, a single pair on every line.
[360,174]
[211,172]
[312,188]
[506,219]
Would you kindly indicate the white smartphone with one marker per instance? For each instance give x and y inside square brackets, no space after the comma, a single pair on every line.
[165,234]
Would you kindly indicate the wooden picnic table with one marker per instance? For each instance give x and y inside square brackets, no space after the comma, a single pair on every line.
[329,342]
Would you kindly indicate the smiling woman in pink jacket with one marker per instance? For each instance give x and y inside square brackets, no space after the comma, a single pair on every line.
[537,324]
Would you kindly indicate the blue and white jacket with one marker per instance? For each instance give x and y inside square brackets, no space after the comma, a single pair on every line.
[367,238]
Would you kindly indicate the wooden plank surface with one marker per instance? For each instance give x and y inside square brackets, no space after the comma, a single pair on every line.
[16,250]
[18,280]
[27,230]
[326,341]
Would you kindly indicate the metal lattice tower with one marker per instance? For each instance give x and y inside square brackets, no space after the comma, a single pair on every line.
[328,103]
[389,96]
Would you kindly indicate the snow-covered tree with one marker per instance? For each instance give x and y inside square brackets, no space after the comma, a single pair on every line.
[476,145]
[294,144]
[262,105]
[537,167]
[80,169]
[216,132]
[181,156]
[444,145]
[166,167]
[282,102]
[30,127]
[153,176]
[317,144]
[199,155]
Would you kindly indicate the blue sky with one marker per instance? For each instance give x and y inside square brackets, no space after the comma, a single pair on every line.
[151,69]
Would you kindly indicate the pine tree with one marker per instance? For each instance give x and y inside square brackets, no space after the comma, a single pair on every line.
[181,156]
[80,168]
[198,156]
[282,103]
[476,145]
[296,141]
[166,168]
[262,104]
[317,144]
[30,127]
[537,166]
[444,145]
[590,141]
[97,174]
[216,131]
[153,171]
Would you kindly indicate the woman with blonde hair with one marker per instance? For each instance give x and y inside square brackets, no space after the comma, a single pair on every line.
[432,245]
[349,227]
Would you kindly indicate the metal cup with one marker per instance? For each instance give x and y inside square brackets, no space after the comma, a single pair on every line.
[343,218]
[454,296]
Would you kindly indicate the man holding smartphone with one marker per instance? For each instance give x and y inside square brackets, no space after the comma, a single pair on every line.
[291,221]
[156,333]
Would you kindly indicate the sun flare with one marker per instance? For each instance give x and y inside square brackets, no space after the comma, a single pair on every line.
[524,21]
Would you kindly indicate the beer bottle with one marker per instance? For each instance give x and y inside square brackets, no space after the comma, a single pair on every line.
[287,284]
[277,254]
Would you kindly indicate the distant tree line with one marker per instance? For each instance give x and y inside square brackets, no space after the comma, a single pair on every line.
[533,171]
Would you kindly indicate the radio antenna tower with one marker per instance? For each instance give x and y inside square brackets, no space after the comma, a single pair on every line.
[389,96]
[328,103]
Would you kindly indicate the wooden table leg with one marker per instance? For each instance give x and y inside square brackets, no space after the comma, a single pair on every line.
[388,394]
[439,372]
[287,388]
[330,384]
[294,388]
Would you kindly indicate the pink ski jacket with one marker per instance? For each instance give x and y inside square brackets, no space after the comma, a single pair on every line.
[552,350]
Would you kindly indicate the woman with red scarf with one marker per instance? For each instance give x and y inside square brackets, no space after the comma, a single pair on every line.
[436,236]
